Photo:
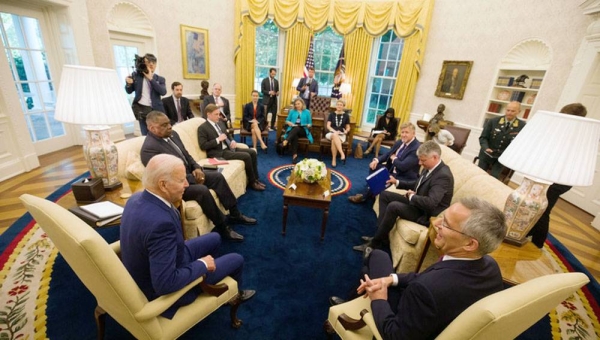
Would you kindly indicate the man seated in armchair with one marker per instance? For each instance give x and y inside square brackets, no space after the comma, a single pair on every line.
[427,196]
[401,161]
[422,305]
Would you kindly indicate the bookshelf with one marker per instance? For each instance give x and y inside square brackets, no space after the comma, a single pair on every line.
[531,58]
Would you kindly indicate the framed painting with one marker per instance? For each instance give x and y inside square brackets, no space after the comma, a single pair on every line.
[194,52]
[453,79]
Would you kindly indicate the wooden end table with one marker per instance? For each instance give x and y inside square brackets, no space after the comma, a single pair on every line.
[308,195]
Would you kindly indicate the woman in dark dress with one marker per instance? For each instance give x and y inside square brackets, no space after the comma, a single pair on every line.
[389,127]
[338,126]
[253,120]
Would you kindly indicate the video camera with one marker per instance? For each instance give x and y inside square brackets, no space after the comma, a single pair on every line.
[140,65]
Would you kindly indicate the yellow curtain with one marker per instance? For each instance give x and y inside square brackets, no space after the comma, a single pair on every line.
[358,49]
[296,47]
[359,21]
[244,66]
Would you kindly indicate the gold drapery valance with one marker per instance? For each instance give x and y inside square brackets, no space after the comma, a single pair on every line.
[408,18]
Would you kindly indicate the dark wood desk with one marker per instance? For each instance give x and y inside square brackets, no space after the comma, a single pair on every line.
[308,195]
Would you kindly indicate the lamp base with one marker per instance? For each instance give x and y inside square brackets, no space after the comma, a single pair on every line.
[523,208]
[101,156]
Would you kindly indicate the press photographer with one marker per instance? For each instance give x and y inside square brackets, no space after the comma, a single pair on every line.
[148,88]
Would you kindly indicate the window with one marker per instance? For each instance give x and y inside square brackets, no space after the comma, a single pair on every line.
[266,49]
[27,58]
[327,47]
[384,70]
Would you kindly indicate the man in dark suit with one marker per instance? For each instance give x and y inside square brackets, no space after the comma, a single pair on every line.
[213,138]
[421,306]
[221,102]
[496,137]
[177,107]
[270,90]
[162,139]
[401,161]
[148,88]
[308,87]
[152,246]
[427,196]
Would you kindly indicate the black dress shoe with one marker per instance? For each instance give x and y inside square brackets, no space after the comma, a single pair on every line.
[246,295]
[257,187]
[230,234]
[366,238]
[242,220]
[334,300]
[261,183]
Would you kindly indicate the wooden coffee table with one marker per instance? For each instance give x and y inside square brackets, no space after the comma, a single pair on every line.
[316,195]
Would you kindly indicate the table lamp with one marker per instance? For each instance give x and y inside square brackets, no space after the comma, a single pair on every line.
[94,97]
[551,148]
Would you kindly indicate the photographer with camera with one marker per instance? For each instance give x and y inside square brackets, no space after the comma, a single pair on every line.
[148,88]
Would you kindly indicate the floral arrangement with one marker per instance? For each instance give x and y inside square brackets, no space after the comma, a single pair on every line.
[310,170]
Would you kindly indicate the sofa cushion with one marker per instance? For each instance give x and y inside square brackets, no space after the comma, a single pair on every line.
[134,166]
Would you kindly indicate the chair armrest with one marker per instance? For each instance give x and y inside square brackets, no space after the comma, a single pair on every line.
[368,319]
[157,306]
[116,247]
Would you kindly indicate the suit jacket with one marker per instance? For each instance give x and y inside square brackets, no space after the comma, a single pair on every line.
[429,301]
[171,109]
[211,100]
[152,249]
[265,87]
[407,165]
[312,87]
[434,193]
[497,137]
[207,139]
[154,145]
[158,89]
[248,115]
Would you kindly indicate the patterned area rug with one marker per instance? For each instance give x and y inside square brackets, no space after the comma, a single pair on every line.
[28,257]
[279,176]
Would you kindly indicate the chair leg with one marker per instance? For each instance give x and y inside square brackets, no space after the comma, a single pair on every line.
[235,304]
[100,316]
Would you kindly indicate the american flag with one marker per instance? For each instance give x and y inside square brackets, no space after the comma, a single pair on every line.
[310,59]
[339,75]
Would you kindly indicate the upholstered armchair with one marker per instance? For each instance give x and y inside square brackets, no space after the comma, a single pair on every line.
[503,315]
[98,266]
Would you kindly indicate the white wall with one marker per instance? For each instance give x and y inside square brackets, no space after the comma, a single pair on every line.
[484,32]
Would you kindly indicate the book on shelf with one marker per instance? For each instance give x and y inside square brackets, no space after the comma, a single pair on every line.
[93,220]
[517,96]
[536,83]
[377,181]
[103,210]
[526,113]
[505,81]
[217,161]
[494,107]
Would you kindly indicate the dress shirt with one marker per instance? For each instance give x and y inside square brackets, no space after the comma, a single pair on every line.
[146,89]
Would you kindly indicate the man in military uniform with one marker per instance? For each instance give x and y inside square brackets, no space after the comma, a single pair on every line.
[497,135]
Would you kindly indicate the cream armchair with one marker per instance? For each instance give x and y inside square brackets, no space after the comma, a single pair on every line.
[503,315]
[98,266]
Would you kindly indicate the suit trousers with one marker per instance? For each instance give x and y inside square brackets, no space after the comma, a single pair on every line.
[486,162]
[230,264]
[539,232]
[292,137]
[215,180]
[248,156]
[379,265]
[392,206]
[271,107]
[201,194]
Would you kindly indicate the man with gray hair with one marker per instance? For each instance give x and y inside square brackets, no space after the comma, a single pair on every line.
[422,305]
[152,246]
[427,196]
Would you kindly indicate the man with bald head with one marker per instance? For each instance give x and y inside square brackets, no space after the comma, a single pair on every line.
[152,246]
[496,137]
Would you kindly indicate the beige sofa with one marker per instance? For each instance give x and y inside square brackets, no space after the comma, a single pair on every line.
[195,223]
[407,239]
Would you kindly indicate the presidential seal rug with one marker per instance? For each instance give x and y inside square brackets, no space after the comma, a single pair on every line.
[279,176]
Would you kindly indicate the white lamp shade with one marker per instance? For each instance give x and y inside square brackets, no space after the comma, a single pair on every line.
[345,88]
[92,96]
[556,147]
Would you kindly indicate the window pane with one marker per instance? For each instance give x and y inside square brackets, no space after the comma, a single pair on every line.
[266,51]
[55,126]
[12,27]
[23,64]
[39,126]
[31,31]
[31,98]
[40,64]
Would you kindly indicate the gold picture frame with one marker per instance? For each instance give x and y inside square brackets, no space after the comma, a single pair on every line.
[453,79]
[194,52]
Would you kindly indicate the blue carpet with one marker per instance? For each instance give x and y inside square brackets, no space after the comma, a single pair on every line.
[293,275]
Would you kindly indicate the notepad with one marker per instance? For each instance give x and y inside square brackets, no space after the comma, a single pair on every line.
[103,210]
[217,161]
[377,181]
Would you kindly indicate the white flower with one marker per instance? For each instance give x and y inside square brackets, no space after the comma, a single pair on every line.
[310,170]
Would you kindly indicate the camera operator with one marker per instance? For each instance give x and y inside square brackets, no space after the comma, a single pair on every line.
[148,88]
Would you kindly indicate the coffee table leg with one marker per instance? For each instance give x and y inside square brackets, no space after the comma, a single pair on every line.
[324,223]
[285,212]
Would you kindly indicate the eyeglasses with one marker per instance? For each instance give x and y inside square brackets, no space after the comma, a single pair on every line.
[443,224]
